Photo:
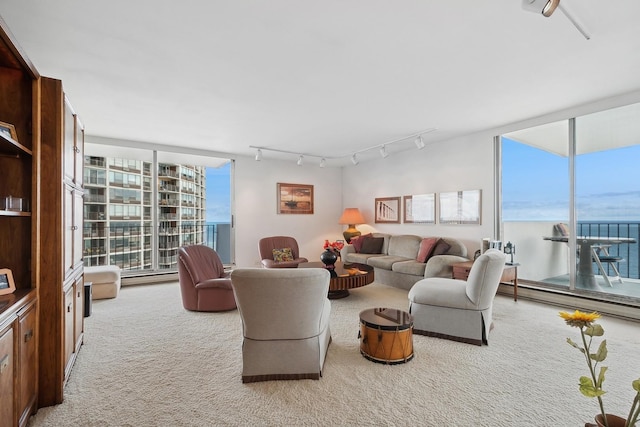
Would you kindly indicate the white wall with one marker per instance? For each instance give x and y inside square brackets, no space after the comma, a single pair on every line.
[256,214]
[459,164]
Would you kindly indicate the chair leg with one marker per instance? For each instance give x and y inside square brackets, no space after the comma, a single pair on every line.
[596,258]
[612,264]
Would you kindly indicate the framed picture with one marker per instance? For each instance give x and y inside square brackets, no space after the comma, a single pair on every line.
[420,208]
[295,198]
[387,210]
[8,130]
[6,282]
[460,207]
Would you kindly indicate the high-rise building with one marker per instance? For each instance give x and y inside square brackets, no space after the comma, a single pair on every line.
[123,210]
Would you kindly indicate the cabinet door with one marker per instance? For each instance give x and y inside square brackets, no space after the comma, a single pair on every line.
[6,375]
[79,152]
[68,230]
[69,325]
[69,145]
[79,312]
[26,364]
[77,228]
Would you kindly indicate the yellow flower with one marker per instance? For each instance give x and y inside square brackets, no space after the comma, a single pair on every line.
[579,319]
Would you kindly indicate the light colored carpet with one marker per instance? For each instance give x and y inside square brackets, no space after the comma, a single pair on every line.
[148,362]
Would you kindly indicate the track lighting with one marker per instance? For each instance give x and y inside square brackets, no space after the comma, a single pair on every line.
[383,152]
[419,142]
[300,160]
[258,155]
[545,7]
[354,159]
[323,162]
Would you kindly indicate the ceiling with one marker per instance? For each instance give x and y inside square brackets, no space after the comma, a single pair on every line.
[324,78]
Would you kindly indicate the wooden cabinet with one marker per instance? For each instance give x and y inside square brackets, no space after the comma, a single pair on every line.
[461,271]
[19,243]
[61,260]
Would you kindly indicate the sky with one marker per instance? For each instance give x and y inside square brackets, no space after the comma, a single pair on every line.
[219,194]
[535,184]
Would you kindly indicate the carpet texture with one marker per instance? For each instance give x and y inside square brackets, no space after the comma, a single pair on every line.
[148,362]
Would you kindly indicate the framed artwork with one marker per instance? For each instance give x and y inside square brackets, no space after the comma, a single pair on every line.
[420,208]
[460,207]
[387,210]
[8,131]
[7,286]
[295,198]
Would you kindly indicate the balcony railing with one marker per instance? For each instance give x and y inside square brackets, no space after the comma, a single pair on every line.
[628,251]
[129,247]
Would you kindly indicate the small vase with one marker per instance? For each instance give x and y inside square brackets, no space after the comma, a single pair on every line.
[612,421]
[328,258]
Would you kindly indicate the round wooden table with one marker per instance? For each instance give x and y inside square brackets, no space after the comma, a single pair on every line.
[344,277]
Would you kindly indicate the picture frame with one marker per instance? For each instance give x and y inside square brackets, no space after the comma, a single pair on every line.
[420,208]
[7,285]
[8,131]
[387,210]
[460,207]
[294,199]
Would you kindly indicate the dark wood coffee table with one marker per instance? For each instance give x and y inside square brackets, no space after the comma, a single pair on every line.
[344,277]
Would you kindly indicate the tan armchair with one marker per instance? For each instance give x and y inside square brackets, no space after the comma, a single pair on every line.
[456,309]
[267,246]
[203,282]
[285,322]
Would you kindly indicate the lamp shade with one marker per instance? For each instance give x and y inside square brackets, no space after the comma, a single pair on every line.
[351,216]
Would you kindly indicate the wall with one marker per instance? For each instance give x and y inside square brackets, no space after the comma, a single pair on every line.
[459,164]
[256,214]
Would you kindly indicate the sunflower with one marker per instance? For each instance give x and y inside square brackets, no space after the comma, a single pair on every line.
[579,319]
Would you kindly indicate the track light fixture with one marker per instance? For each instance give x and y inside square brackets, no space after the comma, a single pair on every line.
[300,160]
[419,142]
[323,162]
[354,159]
[383,152]
[258,155]
[545,7]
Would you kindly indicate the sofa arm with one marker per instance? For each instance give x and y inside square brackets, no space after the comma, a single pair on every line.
[441,265]
[347,249]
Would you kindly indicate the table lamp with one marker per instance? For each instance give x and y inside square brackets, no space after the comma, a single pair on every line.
[351,217]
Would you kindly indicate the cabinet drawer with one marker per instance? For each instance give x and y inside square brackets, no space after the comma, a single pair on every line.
[461,273]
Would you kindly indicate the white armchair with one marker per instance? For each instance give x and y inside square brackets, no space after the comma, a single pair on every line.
[285,322]
[456,309]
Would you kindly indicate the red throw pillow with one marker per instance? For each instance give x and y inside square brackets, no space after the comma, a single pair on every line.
[426,247]
[357,243]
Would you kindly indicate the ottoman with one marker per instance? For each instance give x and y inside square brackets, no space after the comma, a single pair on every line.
[105,280]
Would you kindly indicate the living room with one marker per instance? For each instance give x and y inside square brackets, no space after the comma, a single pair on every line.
[448,162]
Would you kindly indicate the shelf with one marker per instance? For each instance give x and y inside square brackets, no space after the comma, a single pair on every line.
[14,213]
[10,146]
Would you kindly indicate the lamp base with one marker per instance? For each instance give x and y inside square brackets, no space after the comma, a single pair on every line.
[350,233]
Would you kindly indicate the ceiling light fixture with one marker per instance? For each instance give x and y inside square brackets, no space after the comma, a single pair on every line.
[419,142]
[383,152]
[354,159]
[258,155]
[300,160]
[323,162]
[547,7]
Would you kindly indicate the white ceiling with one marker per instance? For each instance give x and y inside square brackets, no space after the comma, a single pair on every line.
[323,77]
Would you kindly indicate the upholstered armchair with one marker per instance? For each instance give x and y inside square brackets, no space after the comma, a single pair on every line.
[285,322]
[286,255]
[456,309]
[203,282]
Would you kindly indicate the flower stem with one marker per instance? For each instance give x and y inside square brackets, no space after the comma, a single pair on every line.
[592,368]
[634,412]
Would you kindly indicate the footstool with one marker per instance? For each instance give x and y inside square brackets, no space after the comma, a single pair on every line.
[105,280]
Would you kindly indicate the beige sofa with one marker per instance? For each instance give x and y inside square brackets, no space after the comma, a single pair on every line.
[397,264]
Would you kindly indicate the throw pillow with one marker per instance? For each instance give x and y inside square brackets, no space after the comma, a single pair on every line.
[441,248]
[563,229]
[281,255]
[372,245]
[357,243]
[426,247]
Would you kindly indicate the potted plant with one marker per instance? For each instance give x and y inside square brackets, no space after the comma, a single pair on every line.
[591,386]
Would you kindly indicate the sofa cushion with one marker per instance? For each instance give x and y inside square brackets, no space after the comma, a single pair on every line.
[426,248]
[404,245]
[441,248]
[372,245]
[359,258]
[358,241]
[411,267]
[386,261]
